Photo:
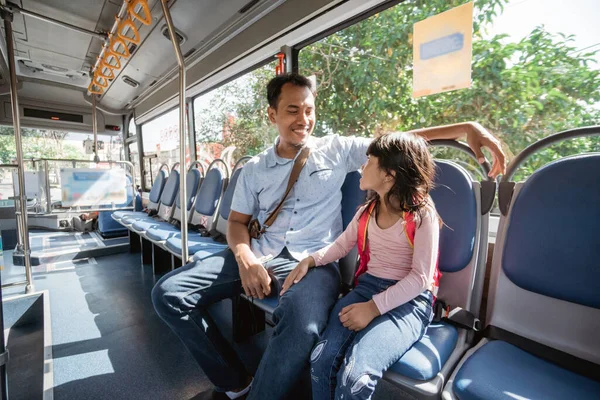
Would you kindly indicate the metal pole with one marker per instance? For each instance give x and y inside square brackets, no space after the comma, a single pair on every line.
[48,196]
[182,135]
[16,8]
[95,129]
[17,128]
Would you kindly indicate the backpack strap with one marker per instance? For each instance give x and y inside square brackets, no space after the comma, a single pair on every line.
[362,241]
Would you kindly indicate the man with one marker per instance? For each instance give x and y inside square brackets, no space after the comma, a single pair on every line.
[309,219]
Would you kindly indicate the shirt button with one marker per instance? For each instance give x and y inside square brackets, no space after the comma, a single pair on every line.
[287,242]
[291,229]
[297,199]
[295,212]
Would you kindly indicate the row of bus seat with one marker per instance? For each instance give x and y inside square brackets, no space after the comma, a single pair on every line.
[543,308]
[208,200]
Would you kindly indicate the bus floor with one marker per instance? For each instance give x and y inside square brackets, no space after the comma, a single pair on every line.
[108,343]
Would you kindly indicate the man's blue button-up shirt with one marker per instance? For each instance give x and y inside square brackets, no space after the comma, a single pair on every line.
[311,215]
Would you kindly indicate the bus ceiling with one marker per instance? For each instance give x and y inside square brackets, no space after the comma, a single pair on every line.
[61,45]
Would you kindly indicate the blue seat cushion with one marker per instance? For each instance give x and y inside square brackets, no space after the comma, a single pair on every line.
[125,214]
[426,358]
[162,232]
[143,225]
[499,370]
[196,243]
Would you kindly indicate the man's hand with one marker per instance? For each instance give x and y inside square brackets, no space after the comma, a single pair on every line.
[255,279]
[478,137]
[297,273]
[357,316]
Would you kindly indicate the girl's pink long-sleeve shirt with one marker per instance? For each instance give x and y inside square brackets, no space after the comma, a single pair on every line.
[392,256]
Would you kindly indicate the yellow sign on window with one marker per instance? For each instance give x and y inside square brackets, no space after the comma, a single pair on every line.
[442,51]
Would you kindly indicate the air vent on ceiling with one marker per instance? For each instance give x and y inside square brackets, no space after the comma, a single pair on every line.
[248,6]
[189,53]
[130,81]
[180,37]
[55,68]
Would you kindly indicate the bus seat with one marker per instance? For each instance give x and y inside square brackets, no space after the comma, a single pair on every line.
[165,209]
[164,230]
[109,227]
[423,369]
[544,295]
[155,193]
[205,213]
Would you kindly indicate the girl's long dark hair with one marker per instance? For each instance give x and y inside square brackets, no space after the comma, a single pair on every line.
[407,155]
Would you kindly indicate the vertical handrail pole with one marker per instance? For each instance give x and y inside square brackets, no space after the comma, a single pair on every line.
[48,196]
[95,128]
[182,135]
[10,45]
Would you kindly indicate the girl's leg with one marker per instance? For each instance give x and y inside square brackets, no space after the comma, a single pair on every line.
[379,345]
[329,351]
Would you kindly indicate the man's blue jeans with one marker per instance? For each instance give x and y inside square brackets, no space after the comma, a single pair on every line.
[181,299]
[346,364]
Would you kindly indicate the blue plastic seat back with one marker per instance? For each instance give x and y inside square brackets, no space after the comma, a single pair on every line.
[225,208]
[192,182]
[546,271]
[209,193]
[158,186]
[170,190]
[455,203]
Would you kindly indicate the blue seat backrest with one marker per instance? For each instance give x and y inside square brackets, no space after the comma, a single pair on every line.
[171,189]
[225,208]
[552,242]
[158,186]
[192,181]
[352,199]
[456,204]
[210,191]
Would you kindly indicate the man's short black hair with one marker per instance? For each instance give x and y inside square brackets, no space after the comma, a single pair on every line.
[274,86]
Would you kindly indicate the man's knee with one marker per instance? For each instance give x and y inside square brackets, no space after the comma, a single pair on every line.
[162,299]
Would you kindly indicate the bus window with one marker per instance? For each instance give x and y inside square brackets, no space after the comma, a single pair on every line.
[533,74]
[161,138]
[234,115]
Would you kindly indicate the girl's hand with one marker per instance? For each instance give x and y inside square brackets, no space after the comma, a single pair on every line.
[357,316]
[297,273]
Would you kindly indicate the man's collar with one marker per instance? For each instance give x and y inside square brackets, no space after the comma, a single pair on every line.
[272,159]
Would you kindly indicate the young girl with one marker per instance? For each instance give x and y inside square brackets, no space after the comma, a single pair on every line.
[397,231]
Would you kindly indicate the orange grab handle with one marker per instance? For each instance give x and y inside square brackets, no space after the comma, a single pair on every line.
[146,19]
[115,41]
[111,56]
[133,29]
[92,89]
[100,71]
[101,83]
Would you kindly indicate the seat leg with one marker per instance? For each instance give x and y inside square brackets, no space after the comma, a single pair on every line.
[146,247]
[248,320]
[161,260]
[134,242]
